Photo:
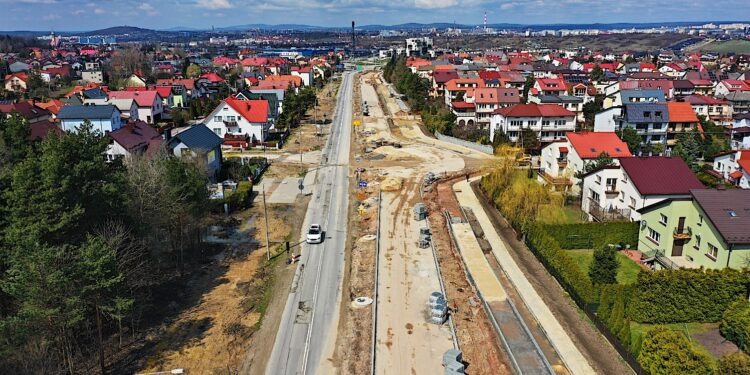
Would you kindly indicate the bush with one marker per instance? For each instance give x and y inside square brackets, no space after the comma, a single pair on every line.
[241,198]
[686,295]
[560,264]
[668,352]
[604,267]
[737,363]
[594,235]
[735,324]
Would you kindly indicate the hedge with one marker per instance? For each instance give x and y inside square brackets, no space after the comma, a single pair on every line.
[241,198]
[735,324]
[594,235]
[668,352]
[560,264]
[737,363]
[686,295]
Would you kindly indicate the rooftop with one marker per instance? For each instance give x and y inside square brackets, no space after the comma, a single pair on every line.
[728,211]
[660,175]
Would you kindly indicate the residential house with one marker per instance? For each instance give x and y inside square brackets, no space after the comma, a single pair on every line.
[717,110]
[95,76]
[26,109]
[733,166]
[728,86]
[487,100]
[134,138]
[197,141]
[438,79]
[621,97]
[236,117]
[739,100]
[708,229]
[562,161]
[104,118]
[682,118]
[305,73]
[549,121]
[650,120]
[458,87]
[16,82]
[739,132]
[549,86]
[135,81]
[150,107]
[571,103]
[618,192]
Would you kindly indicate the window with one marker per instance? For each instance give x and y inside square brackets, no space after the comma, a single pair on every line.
[700,220]
[560,122]
[595,196]
[663,219]
[697,245]
[217,131]
[545,122]
[611,184]
[217,118]
[712,252]
[598,180]
[516,123]
[647,114]
[632,202]
[653,235]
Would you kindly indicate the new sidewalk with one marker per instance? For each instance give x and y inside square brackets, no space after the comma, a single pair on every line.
[566,349]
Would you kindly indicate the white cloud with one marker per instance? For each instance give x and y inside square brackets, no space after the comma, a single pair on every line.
[431,4]
[51,17]
[99,11]
[214,4]
[148,9]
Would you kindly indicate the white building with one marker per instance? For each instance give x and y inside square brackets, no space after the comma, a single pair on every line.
[617,192]
[418,46]
[240,118]
[549,121]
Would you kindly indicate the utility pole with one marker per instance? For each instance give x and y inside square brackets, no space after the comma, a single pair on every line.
[265,215]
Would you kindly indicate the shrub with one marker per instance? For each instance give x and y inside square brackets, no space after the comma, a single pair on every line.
[735,324]
[686,295]
[594,235]
[737,363]
[560,264]
[603,269]
[241,198]
[668,352]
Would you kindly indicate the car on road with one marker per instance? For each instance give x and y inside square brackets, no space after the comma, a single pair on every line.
[315,234]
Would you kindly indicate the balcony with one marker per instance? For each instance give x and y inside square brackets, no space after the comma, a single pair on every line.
[611,190]
[562,162]
[230,124]
[557,181]
[684,234]
[607,214]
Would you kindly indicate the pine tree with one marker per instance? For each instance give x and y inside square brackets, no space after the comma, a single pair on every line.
[603,269]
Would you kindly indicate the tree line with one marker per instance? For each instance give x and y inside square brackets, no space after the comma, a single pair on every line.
[83,244]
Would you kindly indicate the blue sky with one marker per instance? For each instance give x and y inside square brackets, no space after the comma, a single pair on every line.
[65,15]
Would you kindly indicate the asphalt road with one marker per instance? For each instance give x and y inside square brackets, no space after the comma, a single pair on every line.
[307,331]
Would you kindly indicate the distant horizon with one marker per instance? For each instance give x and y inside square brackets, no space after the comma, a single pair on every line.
[178,28]
[75,15]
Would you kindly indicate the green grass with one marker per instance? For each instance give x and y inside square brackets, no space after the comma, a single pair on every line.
[573,214]
[736,46]
[626,273]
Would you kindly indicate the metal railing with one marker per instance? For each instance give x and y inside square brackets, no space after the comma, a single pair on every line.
[607,214]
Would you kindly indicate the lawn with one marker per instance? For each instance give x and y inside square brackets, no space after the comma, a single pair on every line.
[626,273]
[736,46]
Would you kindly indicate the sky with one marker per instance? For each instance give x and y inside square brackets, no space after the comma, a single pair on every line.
[82,15]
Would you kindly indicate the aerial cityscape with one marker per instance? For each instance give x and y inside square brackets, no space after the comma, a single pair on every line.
[371,187]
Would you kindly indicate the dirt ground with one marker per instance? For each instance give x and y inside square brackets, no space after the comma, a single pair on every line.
[213,336]
[600,354]
[407,155]
[479,343]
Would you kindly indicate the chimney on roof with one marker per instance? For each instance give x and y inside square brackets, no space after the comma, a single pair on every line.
[167,134]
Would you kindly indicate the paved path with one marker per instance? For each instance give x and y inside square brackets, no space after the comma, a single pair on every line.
[307,332]
[570,355]
[286,192]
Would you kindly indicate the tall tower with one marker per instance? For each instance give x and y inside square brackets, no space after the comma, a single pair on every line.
[354,41]
[485,21]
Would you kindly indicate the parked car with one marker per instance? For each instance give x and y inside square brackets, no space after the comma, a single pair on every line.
[315,234]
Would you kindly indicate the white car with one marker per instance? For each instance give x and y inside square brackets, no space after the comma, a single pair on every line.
[315,234]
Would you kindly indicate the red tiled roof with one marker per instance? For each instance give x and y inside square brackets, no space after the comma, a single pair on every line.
[53,105]
[135,135]
[564,149]
[703,99]
[252,110]
[660,175]
[535,110]
[20,75]
[164,91]
[589,145]
[552,84]
[41,129]
[188,83]
[213,77]
[735,175]
[681,112]
[142,98]
[452,85]
[462,105]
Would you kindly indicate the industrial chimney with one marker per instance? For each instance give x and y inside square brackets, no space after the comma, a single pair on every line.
[353,39]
